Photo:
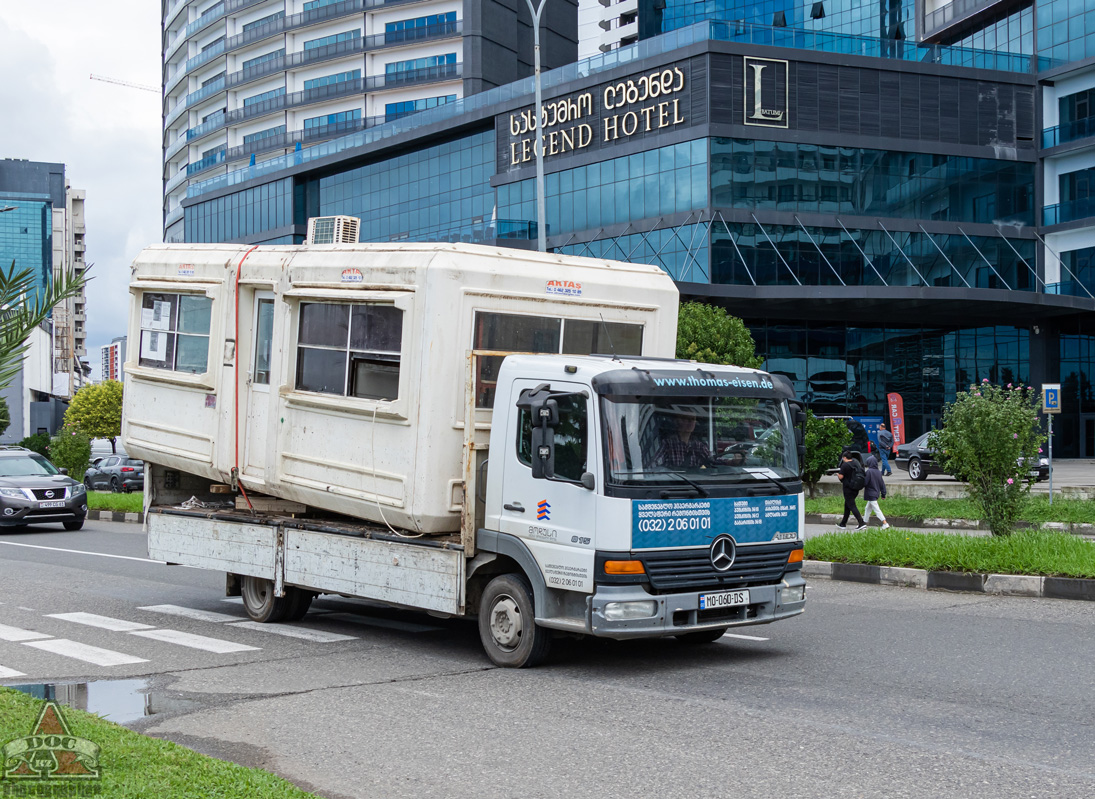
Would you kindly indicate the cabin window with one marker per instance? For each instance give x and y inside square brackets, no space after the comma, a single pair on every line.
[527,333]
[175,331]
[349,350]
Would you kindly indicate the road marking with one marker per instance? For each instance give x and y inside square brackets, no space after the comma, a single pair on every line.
[88,654]
[103,622]
[406,626]
[17,634]
[238,600]
[306,634]
[191,613]
[744,637]
[202,642]
[32,610]
[82,552]
[6,674]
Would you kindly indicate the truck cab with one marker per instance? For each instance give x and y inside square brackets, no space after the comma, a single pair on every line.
[641,497]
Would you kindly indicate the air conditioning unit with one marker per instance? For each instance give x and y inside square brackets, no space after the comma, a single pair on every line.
[333,230]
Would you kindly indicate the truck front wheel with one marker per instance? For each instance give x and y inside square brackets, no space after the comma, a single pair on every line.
[259,600]
[507,624]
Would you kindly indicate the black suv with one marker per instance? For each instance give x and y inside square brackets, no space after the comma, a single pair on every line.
[34,491]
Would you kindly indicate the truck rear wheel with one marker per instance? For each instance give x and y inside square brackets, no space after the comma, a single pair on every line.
[507,624]
[259,600]
[300,601]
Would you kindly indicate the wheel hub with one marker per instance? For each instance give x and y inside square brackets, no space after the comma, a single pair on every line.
[505,622]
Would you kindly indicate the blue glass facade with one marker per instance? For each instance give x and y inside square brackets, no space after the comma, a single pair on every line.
[1066,29]
[1012,33]
[26,235]
[879,18]
[428,193]
[250,212]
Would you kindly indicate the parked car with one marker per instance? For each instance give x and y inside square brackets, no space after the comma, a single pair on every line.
[116,473]
[34,491]
[919,459]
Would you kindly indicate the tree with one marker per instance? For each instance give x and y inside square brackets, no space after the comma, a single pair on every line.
[5,416]
[825,440]
[71,449]
[97,410]
[38,442]
[709,334]
[23,306]
[991,438]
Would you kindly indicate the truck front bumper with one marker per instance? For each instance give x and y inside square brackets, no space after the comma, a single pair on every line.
[677,614]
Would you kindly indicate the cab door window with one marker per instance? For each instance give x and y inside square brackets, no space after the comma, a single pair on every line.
[571,438]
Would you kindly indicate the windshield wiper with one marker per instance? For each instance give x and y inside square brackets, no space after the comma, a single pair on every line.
[702,491]
[695,485]
[782,486]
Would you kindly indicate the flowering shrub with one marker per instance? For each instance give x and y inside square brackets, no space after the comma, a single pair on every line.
[71,449]
[991,439]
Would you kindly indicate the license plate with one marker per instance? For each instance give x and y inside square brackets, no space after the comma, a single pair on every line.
[53,504]
[727,599]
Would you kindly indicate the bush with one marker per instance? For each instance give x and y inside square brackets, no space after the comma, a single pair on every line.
[71,449]
[39,442]
[708,334]
[825,440]
[991,438]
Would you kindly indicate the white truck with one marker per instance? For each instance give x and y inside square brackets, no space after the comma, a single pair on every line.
[464,430]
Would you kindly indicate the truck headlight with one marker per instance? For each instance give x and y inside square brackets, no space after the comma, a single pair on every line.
[624,611]
[793,593]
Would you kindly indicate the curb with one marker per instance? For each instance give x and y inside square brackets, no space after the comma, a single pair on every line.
[114,516]
[1076,528]
[998,584]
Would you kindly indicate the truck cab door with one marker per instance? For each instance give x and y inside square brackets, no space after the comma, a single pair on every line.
[554,516]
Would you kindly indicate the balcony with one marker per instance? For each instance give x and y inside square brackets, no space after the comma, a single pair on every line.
[211,124]
[329,51]
[173,10]
[292,138]
[174,181]
[956,14]
[319,94]
[175,146]
[208,18]
[1068,211]
[209,161]
[412,77]
[257,71]
[204,57]
[302,20]
[441,30]
[1069,131]
[205,92]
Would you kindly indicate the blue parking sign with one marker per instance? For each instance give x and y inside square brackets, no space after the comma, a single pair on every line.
[1051,397]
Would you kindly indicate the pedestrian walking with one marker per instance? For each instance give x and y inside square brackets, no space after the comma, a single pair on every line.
[852,480]
[885,447]
[874,489]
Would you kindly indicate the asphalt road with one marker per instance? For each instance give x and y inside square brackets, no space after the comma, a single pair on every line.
[874,692]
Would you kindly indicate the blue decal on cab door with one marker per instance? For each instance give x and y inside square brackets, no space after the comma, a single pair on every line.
[543,511]
[697,522]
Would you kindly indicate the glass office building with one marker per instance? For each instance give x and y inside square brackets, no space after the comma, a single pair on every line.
[872,207]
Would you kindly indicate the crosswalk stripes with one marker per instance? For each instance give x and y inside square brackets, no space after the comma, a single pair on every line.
[191,613]
[18,635]
[303,633]
[7,674]
[217,645]
[85,652]
[102,622]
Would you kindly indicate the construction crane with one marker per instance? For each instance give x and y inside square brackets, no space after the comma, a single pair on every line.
[131,85]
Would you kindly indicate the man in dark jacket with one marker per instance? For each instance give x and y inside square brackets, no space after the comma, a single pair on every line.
[850,470]
[885,447]
[874,488]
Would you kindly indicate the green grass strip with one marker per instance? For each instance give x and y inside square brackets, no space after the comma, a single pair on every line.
[100,500]
[1038,509]
[134,766]
[1034,552]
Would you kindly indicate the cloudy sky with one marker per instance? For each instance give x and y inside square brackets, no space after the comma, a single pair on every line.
[107,136]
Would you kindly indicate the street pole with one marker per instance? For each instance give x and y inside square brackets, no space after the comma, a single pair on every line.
[1051,459]
[538,147]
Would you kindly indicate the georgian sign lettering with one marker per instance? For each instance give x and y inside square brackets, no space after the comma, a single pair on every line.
[766,92]
[610,113]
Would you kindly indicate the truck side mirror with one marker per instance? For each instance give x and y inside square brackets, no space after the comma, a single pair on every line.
[589,482]
[543,453]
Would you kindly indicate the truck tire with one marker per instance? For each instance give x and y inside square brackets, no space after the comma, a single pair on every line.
[300,601]
[507,624]
[259,600]
[701,636]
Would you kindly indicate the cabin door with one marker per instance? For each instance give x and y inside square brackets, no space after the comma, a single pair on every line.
[258,387]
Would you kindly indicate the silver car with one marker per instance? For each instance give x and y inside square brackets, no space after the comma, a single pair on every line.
[34,491]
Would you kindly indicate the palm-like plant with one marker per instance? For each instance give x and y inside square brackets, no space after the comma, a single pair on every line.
[23,306]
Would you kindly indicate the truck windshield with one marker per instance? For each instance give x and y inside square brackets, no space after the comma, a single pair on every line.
[708,440]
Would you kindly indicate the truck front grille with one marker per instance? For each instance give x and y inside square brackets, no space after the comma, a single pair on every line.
[691,569]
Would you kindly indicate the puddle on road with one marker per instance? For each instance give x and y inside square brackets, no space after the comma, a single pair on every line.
[120,701]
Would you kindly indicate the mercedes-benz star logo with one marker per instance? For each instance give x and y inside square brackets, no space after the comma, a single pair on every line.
[722,553]
[49,495]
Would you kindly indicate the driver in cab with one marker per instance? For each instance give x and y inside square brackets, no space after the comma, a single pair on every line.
[681,449]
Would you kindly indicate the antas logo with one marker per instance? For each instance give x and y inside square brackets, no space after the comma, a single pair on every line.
[352,276]
[567,288]
[51,759]
[543,511]
[766,92]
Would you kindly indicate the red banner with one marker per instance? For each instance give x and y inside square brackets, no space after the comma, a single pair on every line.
[897,418]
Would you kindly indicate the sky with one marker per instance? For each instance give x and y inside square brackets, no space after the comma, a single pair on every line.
[107,136]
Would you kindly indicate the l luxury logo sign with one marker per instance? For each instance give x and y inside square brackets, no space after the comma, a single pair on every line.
[766,92]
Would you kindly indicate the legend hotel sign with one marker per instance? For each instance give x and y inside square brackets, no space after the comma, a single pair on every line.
[611,113]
